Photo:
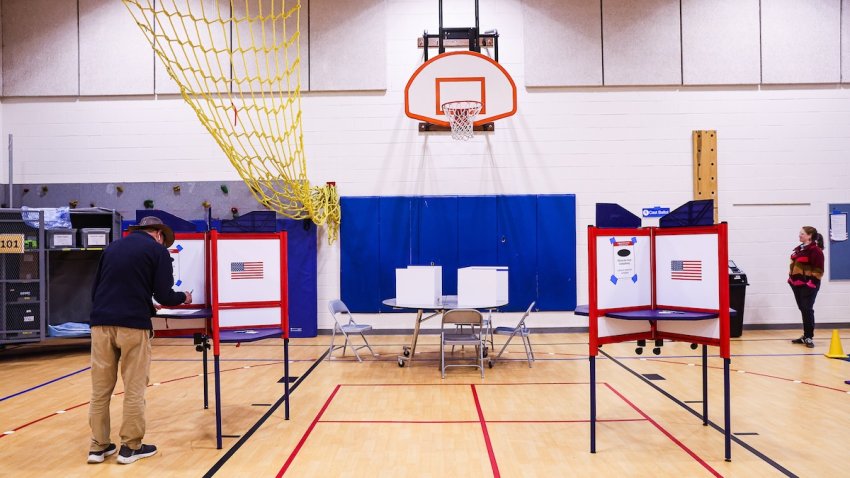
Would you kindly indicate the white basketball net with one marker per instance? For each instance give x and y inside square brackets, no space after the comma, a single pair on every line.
[461,115]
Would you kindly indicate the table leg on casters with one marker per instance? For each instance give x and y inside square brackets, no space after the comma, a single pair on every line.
[727,408]
[705,385]
[217,372]
[412,347]
[592,404]
[286,377]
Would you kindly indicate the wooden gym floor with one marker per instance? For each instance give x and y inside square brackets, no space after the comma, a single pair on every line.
[789,412]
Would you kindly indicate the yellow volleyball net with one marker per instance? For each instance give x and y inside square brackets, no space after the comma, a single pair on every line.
[238,65]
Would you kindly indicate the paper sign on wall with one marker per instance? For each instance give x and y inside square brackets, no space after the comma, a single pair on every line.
[838,226]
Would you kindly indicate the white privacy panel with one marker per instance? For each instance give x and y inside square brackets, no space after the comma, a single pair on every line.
[249,317]
[563,42]
[40,49]
[801,41]
[623,271]
[720,42]
[188,260]
[695,328]
[248,270]
[213,35]
[686,271]
[348,45]
[278,33]
[115,58]
[608,327]
[641,42]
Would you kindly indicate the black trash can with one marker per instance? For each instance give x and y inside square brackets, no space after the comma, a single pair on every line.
[737,296]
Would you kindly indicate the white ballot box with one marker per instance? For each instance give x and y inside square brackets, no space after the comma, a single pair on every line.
[419,285]
[480,286]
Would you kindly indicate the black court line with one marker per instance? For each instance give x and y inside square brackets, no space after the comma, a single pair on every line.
[717,427]
[746,433]
[229,453]
[693,401]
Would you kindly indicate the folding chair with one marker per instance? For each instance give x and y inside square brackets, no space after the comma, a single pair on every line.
[470,317]
[520,330]
[352,327]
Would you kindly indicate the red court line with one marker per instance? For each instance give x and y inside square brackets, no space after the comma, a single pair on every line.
[307,433]
[490,453]
[759,374]
[598,420]
[668,434]
[416,422]
[121,393]
[460,384]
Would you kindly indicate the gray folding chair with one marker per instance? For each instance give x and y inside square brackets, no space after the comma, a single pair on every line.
[351,327]
[469,317]
[511,332]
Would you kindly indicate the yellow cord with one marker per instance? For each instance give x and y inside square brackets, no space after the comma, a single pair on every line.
[238,66]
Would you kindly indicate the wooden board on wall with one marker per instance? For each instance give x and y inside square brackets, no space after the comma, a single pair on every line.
[720,42]
[801,41]
[348,45]
[115,57]
[641,42]
[563,42]
[40,48]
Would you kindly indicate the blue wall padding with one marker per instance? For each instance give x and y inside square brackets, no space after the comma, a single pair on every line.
[477,240]
[434,238]
[556,272]
[517,224]
[359,259]
[301,270]
[533,235]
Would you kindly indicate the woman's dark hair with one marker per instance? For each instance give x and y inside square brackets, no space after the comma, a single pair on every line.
[817,238]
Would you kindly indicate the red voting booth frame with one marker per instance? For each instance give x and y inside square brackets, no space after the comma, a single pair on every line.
[219,334]
[721,313]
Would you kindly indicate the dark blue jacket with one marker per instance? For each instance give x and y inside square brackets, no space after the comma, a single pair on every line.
[132,270]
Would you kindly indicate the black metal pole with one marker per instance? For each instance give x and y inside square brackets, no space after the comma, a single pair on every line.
[206,377]
[727,408]
[286,377]
[592,404]
[441,48]
[705,385]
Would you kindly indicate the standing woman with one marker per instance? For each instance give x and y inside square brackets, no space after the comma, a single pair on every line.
[804,277]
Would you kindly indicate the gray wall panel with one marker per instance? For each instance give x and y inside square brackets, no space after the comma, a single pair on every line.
[215,35]
[247,34]
[845,41]
[348,45]
[801,41]
[115,57]
[641,42]
[720,42]
[40,45]
[563,42]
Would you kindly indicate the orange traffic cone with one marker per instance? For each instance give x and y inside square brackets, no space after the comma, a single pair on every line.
[835,349]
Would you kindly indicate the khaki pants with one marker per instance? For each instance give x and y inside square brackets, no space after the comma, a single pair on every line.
[132,347]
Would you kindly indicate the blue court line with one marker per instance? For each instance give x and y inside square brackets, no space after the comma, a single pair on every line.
[43,384]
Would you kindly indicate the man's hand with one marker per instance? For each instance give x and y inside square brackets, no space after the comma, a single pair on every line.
[188,297]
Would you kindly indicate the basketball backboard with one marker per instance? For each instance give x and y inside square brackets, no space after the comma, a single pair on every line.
[460,76]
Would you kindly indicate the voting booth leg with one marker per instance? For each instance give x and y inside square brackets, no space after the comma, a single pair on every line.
[217,372]
[286,377]
[592,404]
[727,409]
[705,385]
[206,378]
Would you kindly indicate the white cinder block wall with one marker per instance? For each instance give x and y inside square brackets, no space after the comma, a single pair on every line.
[777,145]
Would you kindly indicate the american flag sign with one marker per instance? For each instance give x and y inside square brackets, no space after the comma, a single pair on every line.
[246,270]
[686,270]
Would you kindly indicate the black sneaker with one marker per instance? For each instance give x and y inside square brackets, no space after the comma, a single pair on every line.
[809,343]
[801,340]
[99,456]
[127,455]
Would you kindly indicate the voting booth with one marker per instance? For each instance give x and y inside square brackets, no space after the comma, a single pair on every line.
[657,284]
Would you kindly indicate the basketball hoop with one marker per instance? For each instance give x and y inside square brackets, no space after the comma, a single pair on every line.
[461,115]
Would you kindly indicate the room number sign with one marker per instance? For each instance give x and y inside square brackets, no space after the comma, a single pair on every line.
[11,243]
